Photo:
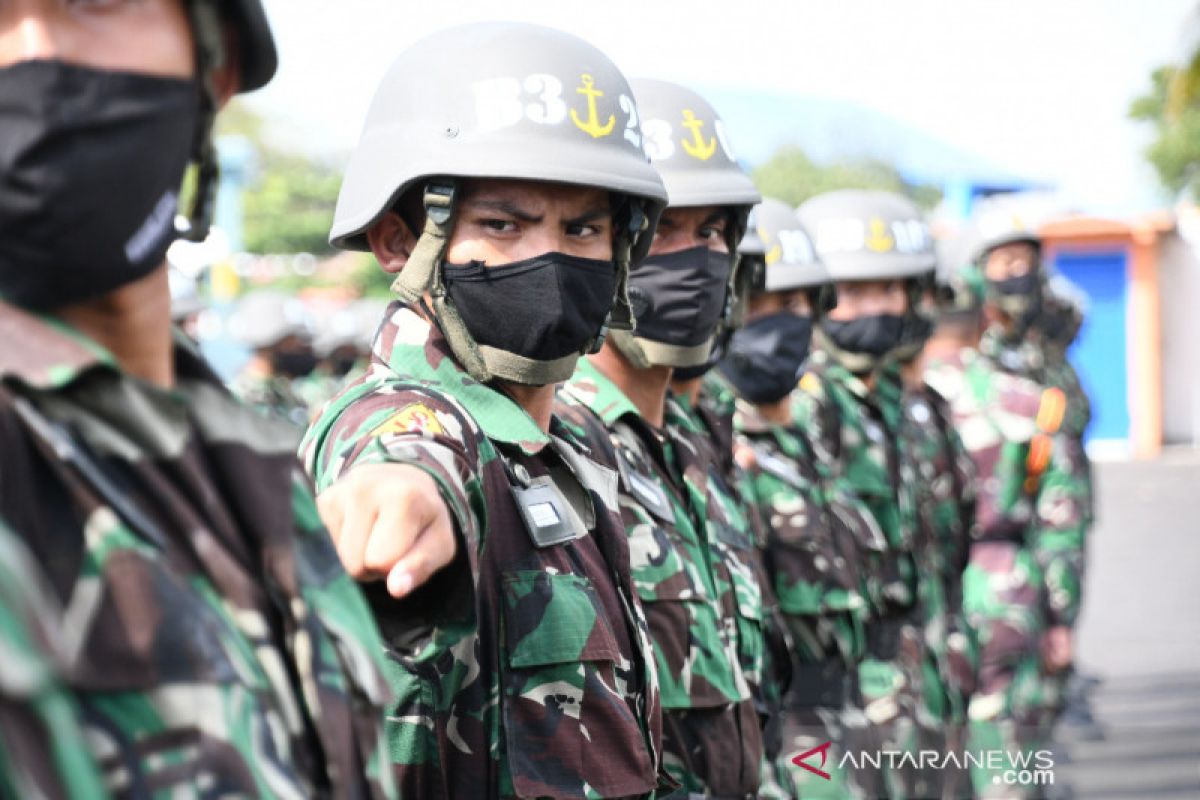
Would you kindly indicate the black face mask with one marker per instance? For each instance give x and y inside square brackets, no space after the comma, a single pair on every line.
[1020,298]
[542,308]
[875,335]
[679,298]
[765,357]
[1021,286]
[90,168]
[293,363]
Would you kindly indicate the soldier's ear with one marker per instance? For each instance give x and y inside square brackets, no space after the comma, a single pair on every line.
[392,242]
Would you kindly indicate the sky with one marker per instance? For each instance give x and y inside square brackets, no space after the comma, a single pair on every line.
[1039,88]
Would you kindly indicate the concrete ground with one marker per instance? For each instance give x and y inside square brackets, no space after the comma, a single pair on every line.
[1139,634]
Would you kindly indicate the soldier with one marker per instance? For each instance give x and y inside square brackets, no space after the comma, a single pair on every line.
[270,324]
[1010,256]
[519,650]
[1009,426]
[192,631]
[819,540]
[709,411]
[945,505]
[692,547]
[875,247]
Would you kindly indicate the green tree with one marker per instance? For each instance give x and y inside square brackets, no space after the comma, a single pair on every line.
[1175,151]
[289,206]
[792,176]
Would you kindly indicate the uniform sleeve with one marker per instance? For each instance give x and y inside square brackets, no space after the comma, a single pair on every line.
[401,424]
[43,752]
[1060,507]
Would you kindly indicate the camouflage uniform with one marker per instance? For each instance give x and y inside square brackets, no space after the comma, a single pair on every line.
[855,431]
[692,565]
[945,499]
[524,668]
[1028,523]
[199,630]
[819,545]
[712,419]
[1030,360]
[43,751]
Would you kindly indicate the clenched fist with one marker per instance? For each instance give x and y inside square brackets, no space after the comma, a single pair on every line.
[389,521]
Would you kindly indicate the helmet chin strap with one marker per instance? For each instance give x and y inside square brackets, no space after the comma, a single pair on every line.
[210,54]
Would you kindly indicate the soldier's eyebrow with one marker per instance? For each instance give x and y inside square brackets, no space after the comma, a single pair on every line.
[719,215]
[597,213]
[505,207]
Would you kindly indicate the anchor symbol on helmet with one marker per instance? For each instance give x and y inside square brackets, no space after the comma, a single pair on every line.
[697,148]
[592,126]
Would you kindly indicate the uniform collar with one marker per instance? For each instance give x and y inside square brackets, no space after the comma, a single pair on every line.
[415,350]
[592,388]
[49,354]
[44,352]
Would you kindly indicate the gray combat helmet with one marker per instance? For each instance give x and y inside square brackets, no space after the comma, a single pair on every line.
[864,235]
[997,224]
[498,100]
[689,146]
[789,256]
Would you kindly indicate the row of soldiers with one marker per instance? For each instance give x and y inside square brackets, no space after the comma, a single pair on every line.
[581,529]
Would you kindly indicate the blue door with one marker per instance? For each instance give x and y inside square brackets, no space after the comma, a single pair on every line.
[1099,353]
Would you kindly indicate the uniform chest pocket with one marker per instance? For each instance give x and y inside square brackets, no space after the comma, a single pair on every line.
[146,626]
[569,720]
[661,565]
[159,667]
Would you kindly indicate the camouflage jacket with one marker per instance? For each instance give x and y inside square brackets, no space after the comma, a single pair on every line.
[945,500]
[691,551]
[945,487]
[1027,491]
[524,668]
[854,433]
[43,749]
[821,542]
[209,639]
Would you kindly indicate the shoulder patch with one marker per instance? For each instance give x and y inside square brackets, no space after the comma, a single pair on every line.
[810,383]
[1052,410]
[416,417]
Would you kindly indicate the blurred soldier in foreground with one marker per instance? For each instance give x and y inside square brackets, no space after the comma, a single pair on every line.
[174,618]
[851,406]
[268,322]
[692,546]
[519,650]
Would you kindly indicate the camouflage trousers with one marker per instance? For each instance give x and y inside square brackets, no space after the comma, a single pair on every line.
[949,682]
[1002,602]
[823,720]
[892,682]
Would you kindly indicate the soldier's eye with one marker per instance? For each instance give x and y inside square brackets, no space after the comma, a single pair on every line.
[499,225]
